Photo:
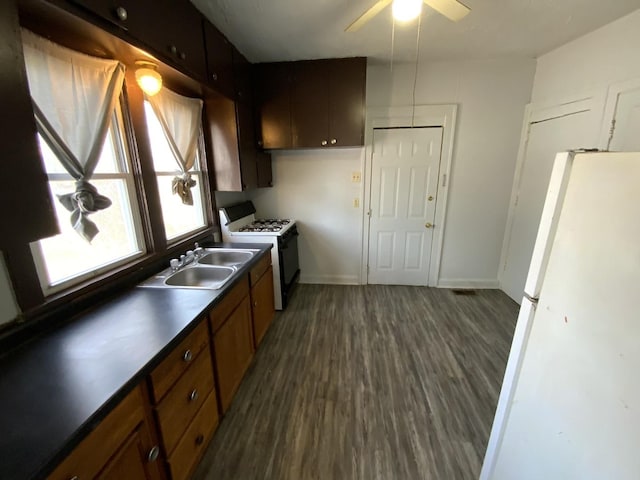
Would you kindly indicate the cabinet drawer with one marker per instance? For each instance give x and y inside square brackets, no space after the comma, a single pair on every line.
[94,451]
[184,400]
[193,443]
[178,361]
[222,311]
[260,268]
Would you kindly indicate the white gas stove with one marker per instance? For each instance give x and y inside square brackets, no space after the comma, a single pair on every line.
[238,224]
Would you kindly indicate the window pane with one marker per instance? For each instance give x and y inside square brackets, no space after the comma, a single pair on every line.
[163,159]
[107,163]
[178,217]
[68,255]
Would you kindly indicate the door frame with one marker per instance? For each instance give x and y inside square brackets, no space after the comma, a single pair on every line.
[536,113]
[611,108]
[443,116]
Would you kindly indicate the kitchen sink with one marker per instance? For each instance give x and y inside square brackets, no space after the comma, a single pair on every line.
[210,277]
[211,271]
[219,256]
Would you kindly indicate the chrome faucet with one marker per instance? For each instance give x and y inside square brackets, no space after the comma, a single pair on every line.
[189,257]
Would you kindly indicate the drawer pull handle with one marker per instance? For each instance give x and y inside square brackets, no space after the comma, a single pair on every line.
[153,454]
[193,396]
[75,477]
[200,439]
[188,356]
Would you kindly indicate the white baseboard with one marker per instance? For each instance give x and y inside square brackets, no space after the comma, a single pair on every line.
[466,283]
[330,279]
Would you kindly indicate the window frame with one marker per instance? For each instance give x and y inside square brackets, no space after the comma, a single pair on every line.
[201,172]
[124,161]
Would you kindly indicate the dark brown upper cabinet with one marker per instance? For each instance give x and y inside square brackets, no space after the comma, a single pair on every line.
[273,98]
[312,104]
[220,58]
[172,29]
[27,210]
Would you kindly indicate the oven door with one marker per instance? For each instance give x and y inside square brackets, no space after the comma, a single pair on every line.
[289,267]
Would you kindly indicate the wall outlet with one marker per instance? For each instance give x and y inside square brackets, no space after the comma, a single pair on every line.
[356,203]
[356,177]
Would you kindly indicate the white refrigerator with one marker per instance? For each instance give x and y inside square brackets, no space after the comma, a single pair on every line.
[569,407]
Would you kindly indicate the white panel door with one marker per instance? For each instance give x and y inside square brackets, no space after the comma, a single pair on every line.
[404,189]
[575,414]
[545,139]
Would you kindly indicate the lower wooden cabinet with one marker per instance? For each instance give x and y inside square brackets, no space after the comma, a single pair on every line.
[194,441]
[262,305]
[120,447]
[183,389]
[233,351]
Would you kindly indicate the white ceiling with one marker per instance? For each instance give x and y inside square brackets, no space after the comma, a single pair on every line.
[277,30]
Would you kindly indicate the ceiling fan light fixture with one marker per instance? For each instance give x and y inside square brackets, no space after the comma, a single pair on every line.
[406,10]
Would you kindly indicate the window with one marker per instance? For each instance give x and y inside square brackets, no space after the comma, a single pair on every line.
[67,258]
[179,219]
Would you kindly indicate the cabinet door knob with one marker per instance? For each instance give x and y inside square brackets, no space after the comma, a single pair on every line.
[333,141]
[255,304]
[183,55]
[323,143]
[153,453]
[428,225]
[122,13]
[193,396]
[215,77]
[187,356]
[75,477]
[200,439]
[173,49]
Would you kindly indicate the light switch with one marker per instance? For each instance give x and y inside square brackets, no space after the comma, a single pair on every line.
[356,202]
[356,177]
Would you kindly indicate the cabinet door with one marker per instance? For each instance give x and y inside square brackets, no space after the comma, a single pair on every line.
[233,345]
[265,173]
[247,145]
[219,60]
[134,460]
[262,304]
[242,77]
[127,14]
[274,105]
[347,85]
[310,104]
[21,169]
[174,29]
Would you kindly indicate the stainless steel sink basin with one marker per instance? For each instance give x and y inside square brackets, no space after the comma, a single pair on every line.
[200,277]
[211,271]
[225,257]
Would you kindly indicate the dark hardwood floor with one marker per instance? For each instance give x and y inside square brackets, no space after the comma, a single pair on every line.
[369,382]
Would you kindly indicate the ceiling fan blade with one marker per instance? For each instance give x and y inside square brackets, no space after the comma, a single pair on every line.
[368,15]
[452,9]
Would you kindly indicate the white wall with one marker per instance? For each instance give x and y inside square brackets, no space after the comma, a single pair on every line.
[491,96]
[8,308]
[314,187]
[592,62]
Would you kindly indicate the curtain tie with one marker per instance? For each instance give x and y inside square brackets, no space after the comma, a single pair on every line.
[182,187]
[81,203]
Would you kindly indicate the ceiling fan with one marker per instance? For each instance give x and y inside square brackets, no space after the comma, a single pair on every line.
[405,10]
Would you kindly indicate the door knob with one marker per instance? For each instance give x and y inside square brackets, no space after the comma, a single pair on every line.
[430,198]
[428,225]
[323,143]
[333,141]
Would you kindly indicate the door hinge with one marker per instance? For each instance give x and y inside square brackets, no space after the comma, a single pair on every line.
[444,180]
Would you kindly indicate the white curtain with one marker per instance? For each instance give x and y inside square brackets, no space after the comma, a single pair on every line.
[180,118]
[74,96]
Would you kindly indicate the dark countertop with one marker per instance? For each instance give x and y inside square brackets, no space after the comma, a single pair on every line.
[57,388]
